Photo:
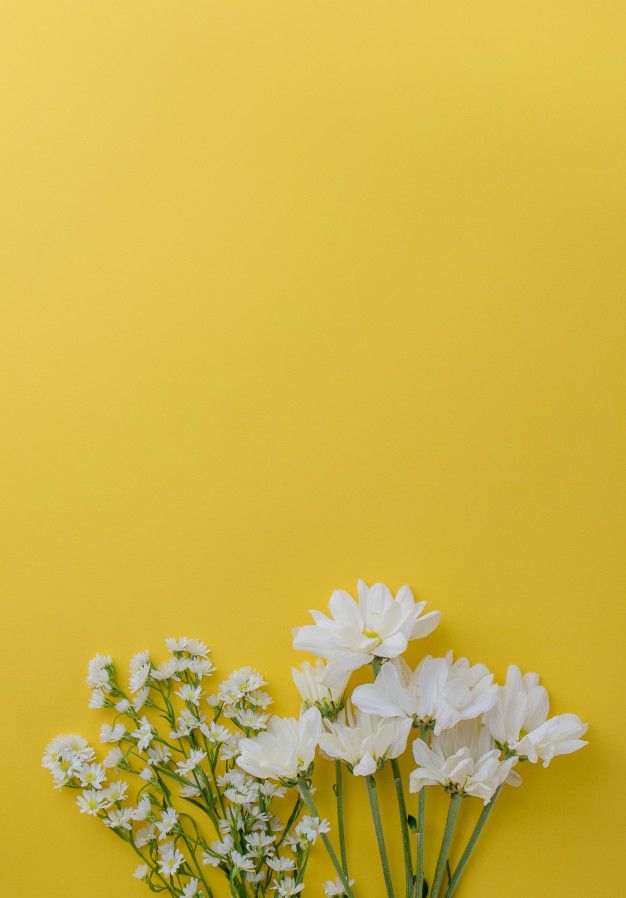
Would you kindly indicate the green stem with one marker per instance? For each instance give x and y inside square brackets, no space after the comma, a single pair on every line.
[404,826]
[421,820]
[484,816]
[453,812]
[340,826]
[378,826]
[308,798]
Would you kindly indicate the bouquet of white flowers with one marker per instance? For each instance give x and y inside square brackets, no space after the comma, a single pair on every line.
[234,763]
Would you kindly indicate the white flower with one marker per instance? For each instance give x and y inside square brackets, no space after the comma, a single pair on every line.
[143,734]
[98,674]
[92,776]
[65,756]
[285,750]
[439,691]
[97,699]
[92,801]
[559,735]
[201,667]
[217,733]
[518,721]
[335,888]
[140,699]
[143,809]
[195,757]
[250,720]
[237,686]
[190,889]
[363,741]
[521,704]
[116,791]
[287,887]
[170,859]
[110,733]
[464,760]
[242,861]
[159,754]
[141,871]
[113,758]
[169,819]
[189,791]
[145,835]
[166,671]
[119,818]
[312,682]
[218,851]
[139,671]
[280,864]
[190,694]
[379,626]
[311,827]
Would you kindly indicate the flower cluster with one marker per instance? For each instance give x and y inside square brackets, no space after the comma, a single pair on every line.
[172,761]
[224,755]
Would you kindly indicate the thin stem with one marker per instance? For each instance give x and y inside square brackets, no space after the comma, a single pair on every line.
[453,812]
[378,826]
[340,826]
[404,826]
[308,798]
[421,820]
[484,816]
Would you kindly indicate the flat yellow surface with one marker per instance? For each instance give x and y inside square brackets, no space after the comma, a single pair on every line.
[295,292]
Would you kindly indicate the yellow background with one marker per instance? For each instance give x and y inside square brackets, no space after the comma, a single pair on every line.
[295,292]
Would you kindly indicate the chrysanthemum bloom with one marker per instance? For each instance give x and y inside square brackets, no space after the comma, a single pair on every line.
[364,742]
[313,684]
[285,751]
[378,626]
[464,760]
[439,692]
[518,721]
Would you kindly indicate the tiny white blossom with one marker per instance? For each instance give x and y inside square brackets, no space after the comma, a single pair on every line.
[91,802]
[285,750]
[98,674]
[141,871]
[110,733]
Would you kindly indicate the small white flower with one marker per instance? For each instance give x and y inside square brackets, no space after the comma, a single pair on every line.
[110,733]
[98,674]
[143,734]
[141,871]
[166,671]
[116,791]
[119,818]
[92,776]
[217,733]
[140,699]
[285,750]
[218,850]
[143,809]
[97,699]
[281,864]
[122,706]
[190,889]
[145,835]
[250,720]
[311,827]
[287,887]
[170,859]
[139,671]
[379,626]
[335,888]
[113,758]
[195,758]
[189,791]
[190,694]
[242,861]
[92,801]
[169,819]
